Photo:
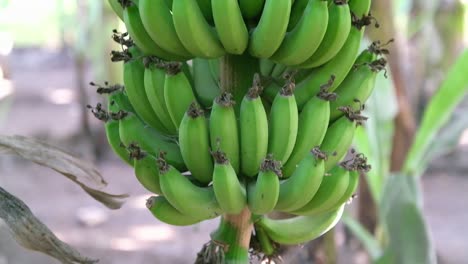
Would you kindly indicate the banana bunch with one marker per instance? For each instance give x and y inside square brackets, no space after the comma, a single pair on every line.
[282,146]
[299,34]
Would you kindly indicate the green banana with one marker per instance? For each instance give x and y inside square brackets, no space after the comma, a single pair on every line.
[278,71]
[350,191]
[335,37]
[283,124]
[140,36]
[195,144]
[206,87]
[157,19]
[339,67]
[224,133]
[117,8]
[146,169]
[230,26]
[197,36]
[331,190]
[230,193]
[338,139]
[298,190]
[133,131]
[311,131]
[263,195]
[266,38]
[356,88]
[360,7]
[154,80]
[297,10]
[303,41]
[112,126]
[215,65]
[178,93]
[300,229]
[186,197]
[251,8]
[166,213]
[253,130]
[134,75]
[266,67]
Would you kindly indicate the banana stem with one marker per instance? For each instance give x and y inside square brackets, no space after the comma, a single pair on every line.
[235,231]
[237,73]
[234,234]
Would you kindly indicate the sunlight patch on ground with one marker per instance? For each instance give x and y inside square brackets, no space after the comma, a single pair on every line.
[125,244]
[6,88]
[464,138]
[151,233]
[62,96]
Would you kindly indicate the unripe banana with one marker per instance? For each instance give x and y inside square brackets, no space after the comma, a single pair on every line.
[134,131]
[178,93]
[360,7]
[230,26]
[154,79]
[271,29]
[303,41]
[230,193]
[356,88]
[166,213]
[146,169]
[278,70]
[283,124]
[117,8]
[187,198]
[304,183]
[251,8]
[253,130]
[140,36]
[335,37]
[311,131]
[331,190]
[134,75]
[115,99]
[339,67]
[206,87]
[224,133]
[157,18]
[300,229]
[338,139]
[350,191]
[194,144]
[197,36]
[263,195]
[297,10]
[266,67]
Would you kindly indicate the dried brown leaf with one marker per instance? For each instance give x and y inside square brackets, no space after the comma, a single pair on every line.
[32,234]
[81,172]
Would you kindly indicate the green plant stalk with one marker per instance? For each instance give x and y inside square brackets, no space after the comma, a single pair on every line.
[237,73]
[233,234]
[235,231]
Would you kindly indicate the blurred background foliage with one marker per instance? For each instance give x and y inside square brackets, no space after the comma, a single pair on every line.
[422,101]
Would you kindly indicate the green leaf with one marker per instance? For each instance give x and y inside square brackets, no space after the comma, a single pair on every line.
[367,240]
[438,112]
[401,213]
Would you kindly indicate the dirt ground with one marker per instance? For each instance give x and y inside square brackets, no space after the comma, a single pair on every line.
[132,235]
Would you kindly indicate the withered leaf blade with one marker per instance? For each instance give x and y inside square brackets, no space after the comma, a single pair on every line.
[32,234]
[81,172]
